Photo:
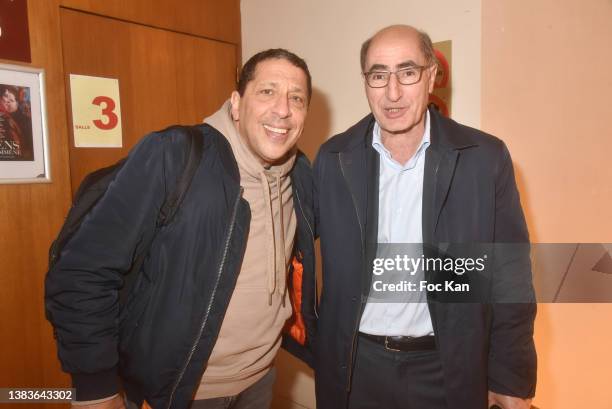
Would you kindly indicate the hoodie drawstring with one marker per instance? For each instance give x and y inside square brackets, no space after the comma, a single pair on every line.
[276,254]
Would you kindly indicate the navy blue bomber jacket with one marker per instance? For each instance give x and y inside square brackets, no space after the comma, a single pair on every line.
[159,343]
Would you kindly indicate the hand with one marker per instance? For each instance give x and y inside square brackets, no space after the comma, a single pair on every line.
[115,403]
[508,402]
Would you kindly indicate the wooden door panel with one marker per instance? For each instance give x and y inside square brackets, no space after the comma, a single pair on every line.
[202,75]
[165,78]
[214,19]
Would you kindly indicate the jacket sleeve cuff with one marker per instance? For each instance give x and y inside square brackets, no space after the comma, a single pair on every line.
[95,386]
[506,382]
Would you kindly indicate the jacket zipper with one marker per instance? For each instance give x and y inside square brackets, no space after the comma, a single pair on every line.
[297,196]
[212,298]
[356,329]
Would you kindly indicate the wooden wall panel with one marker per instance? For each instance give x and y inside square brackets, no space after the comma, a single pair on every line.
[213,19]
[165,77]
[142,61]
[31,215]
[207,77]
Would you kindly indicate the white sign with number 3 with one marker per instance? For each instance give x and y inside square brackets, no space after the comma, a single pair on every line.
[96,112]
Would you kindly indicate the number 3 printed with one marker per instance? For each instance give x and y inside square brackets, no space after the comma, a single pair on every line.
[107,111]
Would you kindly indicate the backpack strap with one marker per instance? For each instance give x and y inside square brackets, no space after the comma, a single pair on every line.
[174,199]
[170,206]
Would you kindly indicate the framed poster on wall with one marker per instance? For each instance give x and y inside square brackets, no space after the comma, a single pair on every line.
[24,150]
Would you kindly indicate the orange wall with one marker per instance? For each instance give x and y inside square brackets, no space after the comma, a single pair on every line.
[546,89]
[547,84]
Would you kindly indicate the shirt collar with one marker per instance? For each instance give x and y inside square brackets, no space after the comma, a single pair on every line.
[386,155]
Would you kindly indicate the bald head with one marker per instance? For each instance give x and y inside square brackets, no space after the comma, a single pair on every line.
[399,32]
[403,56]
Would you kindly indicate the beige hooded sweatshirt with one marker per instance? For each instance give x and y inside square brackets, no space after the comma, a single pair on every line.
[250,334]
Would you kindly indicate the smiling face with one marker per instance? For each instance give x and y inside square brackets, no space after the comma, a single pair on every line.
[398,108]
[271,112]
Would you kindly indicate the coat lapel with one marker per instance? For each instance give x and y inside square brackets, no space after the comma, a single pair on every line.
[439,171]
[354,171]
[432,165]
[441,159]
[440,164]
[359,166]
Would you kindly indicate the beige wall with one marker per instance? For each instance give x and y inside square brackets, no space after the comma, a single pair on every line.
[328,35]
[543,85]
[546,90]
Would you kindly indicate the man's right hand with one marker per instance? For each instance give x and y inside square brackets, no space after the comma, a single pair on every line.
[114,403]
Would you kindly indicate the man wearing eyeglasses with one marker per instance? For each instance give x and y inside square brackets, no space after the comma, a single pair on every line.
[404,174]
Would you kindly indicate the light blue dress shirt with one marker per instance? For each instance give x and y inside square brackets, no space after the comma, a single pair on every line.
[400,196]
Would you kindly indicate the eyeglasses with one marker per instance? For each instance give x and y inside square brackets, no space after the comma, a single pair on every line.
[405,76]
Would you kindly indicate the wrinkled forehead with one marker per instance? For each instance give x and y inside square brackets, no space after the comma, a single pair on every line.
[395,50]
